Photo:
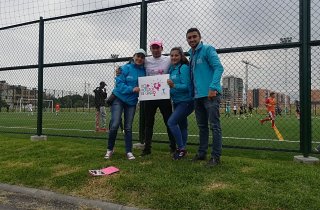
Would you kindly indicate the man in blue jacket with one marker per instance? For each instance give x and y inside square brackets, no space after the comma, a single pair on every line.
[206,71]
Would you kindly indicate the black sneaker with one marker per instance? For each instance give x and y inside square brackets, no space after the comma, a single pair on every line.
[145,153]
[179,154]
[213,162]
[198,157]
[173,150]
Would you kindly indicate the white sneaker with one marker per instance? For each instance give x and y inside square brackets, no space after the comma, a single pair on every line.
[130,156]
[108,154]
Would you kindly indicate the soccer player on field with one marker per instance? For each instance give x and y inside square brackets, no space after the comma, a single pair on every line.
[57,107]
[29,107]
[270,105]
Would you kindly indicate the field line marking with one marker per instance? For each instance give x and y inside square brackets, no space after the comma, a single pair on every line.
[278,133]
[193,135]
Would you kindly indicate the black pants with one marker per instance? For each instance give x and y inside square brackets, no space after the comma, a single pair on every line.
[150,110]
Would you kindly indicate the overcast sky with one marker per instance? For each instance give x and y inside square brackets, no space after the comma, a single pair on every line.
[223,23]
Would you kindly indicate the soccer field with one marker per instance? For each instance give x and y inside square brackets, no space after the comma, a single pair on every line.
[245,132]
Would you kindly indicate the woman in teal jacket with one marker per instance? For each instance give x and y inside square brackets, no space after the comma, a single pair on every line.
[182,99]
[126,92]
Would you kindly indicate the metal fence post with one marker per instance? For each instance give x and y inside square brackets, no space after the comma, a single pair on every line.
[143,44]
[40,76]
[305,78]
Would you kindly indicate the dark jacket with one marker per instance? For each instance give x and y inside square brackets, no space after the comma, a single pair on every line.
[99,97]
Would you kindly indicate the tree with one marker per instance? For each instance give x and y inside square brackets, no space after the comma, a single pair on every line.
[3,103]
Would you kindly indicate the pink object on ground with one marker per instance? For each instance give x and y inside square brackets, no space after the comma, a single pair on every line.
[104,171]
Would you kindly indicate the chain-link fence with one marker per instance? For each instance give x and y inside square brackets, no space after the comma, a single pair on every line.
[259,44]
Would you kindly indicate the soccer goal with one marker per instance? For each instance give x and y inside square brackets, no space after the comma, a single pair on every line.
[24,103]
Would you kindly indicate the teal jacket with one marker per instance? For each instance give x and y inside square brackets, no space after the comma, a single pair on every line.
[180,75]
[206,70]
[126,81]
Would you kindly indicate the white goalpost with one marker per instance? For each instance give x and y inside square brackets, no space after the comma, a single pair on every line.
[47,104]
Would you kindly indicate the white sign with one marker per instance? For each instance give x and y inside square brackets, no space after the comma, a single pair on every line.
[154,87]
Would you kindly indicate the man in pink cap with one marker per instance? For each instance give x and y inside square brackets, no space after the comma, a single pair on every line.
[157,64]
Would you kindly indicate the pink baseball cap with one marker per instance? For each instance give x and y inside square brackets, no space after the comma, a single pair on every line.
[156,42]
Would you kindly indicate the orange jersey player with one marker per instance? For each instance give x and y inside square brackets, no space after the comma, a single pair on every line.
[271,108]
[57,107]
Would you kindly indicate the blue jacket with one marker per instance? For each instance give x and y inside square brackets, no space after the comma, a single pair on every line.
[206,70]
[180,75]
[126,81]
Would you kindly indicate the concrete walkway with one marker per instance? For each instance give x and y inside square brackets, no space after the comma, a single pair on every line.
[14,197]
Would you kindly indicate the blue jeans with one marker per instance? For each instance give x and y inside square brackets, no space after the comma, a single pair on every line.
[116,111]
[208,111]
[102,112]
[178,122]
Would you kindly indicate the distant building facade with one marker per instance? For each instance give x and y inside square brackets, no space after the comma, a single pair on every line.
[12,94]
[233,93]
[232,90]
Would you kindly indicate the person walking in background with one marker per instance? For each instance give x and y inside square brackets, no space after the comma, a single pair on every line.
[250,110]
[297,109]
[157,64]
[235,110]
[227,114]
[278,110]
[206,71]
[100,97]
[182,99]
[126,98]
[241,111]
[270,105]
[29,108]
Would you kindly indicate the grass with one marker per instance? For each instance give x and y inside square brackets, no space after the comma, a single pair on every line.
[236,132]
[246,179]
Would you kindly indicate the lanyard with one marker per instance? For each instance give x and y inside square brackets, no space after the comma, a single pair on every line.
[193,64]
[192,68]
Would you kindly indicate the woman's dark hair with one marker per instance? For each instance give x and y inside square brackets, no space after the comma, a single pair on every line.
[184,59]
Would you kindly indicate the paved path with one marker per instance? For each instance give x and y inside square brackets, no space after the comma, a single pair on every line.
[21,198]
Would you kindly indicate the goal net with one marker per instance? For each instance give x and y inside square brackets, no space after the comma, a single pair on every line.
[24,103]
